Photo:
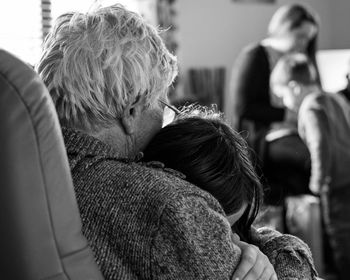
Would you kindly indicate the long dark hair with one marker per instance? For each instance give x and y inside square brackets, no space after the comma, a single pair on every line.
[215,158]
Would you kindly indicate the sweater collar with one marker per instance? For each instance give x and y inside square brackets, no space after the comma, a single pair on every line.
[77,142]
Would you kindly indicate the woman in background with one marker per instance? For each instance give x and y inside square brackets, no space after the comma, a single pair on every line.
[284,156]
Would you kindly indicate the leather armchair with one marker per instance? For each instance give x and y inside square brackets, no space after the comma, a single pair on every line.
[40,226]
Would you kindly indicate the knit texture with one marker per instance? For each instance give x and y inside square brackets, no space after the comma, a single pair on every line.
[143,221]
[289,255]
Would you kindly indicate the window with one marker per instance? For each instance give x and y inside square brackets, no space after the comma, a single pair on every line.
[20,29]
[21,25]
[146,8]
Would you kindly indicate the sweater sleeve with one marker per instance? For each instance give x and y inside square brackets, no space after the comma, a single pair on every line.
[193,242]
[314,129]
[289,255]
[250,86]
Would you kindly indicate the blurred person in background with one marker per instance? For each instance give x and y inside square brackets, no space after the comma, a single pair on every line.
[324,126]
[284,157]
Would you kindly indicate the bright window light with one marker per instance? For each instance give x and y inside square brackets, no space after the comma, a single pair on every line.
[62,6]
[20,29]
[21,26]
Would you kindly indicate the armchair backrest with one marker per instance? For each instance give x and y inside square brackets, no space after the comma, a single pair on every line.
[40,226]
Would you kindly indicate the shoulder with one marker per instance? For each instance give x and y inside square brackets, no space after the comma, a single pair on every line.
[313,114]
[125,191]
[254,49]
[153,183]
[252,58]
[315,101]
[317,97]
[176,190]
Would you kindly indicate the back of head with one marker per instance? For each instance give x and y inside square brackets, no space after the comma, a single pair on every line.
[295,67]
[289,17]
[212,156]
[94,64]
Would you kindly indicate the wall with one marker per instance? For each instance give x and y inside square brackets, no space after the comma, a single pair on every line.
[212,32]
[340,24]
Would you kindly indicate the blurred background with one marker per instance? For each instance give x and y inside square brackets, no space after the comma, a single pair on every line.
[205,35]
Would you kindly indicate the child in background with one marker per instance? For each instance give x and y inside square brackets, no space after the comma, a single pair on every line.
[324,125]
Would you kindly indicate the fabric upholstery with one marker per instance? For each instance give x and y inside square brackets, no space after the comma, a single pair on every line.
[40,226]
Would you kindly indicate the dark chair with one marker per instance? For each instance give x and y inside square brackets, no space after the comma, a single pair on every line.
[40,226]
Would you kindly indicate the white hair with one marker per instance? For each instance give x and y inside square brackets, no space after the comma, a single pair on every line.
[95,64]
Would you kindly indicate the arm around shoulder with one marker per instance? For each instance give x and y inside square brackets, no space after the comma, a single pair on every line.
[193,241]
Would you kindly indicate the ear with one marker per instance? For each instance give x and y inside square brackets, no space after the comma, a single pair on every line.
[131,115]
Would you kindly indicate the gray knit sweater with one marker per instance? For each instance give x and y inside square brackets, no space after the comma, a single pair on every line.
[146,222]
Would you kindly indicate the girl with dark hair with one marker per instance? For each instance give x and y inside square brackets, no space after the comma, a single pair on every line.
[215,158]
[285,158]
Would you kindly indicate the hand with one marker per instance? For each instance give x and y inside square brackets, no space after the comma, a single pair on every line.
[254,264]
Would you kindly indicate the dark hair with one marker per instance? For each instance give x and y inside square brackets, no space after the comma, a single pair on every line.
[293,16]
[213,157]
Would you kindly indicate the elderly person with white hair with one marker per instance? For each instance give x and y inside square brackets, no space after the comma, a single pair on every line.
[108,72]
